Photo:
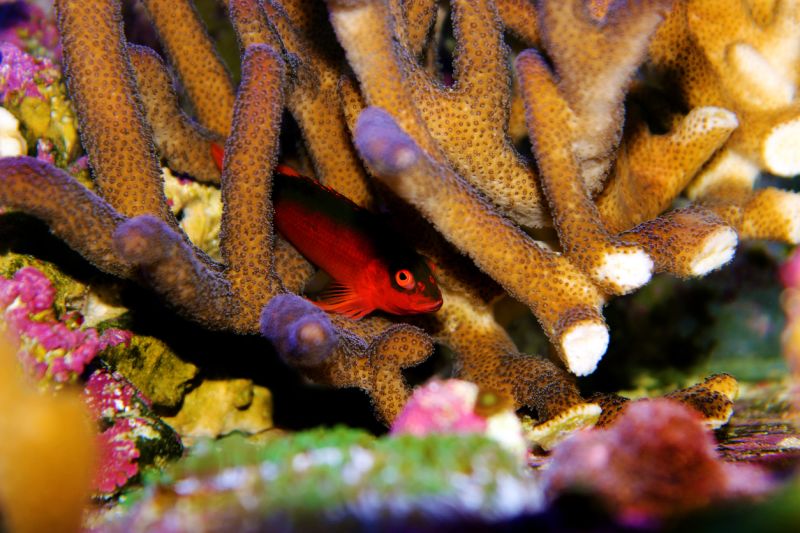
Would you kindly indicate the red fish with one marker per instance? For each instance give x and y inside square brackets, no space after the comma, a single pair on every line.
[371,267]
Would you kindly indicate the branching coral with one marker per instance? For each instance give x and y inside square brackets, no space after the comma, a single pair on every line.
[438,143]
[741,56]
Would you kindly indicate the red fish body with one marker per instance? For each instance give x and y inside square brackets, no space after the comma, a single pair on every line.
[371,267]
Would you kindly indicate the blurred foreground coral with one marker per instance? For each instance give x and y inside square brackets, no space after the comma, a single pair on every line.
[655,461]
[47,452]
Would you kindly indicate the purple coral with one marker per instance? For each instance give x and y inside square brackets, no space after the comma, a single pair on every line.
[49,347]
[301,332]
[382,143]
[657,460]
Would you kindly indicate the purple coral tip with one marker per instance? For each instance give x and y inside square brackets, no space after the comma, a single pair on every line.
[386,147]
[301,333]
[139,239]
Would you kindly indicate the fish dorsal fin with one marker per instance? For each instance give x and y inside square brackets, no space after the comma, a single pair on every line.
[344,300]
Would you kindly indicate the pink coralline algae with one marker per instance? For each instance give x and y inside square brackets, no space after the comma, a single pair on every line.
[656,460]
[111,398]
[22,75]
[457,406]
[118,457]
[790,271]
[132,436]
[51,348]
[441,407]
[109,395]
[28,27]
[56,350]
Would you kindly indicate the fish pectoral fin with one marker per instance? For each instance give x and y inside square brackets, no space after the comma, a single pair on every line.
[341,299]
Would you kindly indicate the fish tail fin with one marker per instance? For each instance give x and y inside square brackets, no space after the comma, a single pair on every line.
[344,300]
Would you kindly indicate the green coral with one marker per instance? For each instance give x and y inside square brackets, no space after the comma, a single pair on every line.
[339,476]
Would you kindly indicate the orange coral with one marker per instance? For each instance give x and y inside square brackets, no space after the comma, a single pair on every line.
[46,454]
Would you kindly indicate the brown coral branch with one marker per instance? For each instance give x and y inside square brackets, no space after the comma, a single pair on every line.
[488,357]
[767,213]
[200,68]
[113,130]
[520,18]
[414,22]
[742,56]
[712,398]
[615,266]
[687,242]
[313,96]
[246,237]
[594,61]
[562,298]
[290,266]
[314,99]
[443,120]
[176,271]
[756,59]
[69,209]
[371,356]
[182,142]
[652,170]
[251,25]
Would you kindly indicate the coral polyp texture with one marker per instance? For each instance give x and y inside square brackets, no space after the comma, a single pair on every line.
[437,144]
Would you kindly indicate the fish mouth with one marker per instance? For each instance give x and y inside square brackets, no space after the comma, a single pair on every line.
[431,307]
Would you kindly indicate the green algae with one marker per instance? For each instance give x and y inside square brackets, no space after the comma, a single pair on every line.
[153,368]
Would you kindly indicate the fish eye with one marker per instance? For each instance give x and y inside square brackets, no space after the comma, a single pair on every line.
[405,279]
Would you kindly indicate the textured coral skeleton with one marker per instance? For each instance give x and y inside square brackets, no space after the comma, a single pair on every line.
[361,79]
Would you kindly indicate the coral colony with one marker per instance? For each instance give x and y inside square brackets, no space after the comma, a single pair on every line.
[609,142]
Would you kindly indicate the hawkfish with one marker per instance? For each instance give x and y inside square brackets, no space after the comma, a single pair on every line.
[371,266]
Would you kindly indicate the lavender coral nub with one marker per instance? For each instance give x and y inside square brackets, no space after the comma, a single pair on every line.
[387,148]
[134,239]
[301,332]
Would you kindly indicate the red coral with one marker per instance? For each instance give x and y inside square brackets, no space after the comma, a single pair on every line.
[656,460]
